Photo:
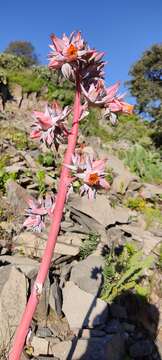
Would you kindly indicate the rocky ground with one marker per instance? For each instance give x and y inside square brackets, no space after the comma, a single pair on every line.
[78,317]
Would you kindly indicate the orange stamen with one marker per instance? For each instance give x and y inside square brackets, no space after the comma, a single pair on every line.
[72,51]
[127,108]
[93,179]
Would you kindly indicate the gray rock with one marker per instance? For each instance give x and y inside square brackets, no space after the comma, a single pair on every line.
[28,266]
[105,214]
[87,274]
[40,314]
[148,240]
[40,346]
[93,349]
[55,299]
[115,236]
[33,244]
[121,182]
[13,294]
[141,348]
[17,197]
[43,332]
[115,164]
[150,190]
[82,309]
[102,348]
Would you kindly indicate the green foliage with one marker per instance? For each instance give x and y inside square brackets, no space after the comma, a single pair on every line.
[145,83]
[146,164]
[24,50]
[28,81]
[4,177]
[20,139]
[133,129]
[136,203]
[109,175]
[89,245]
[46,159]
[11,62]
[90,126]
[123,271]
[152,215]
[160,257]
[40,179]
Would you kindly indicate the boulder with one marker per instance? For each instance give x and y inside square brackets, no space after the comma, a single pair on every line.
[13,295]
[82,309]
[87,274]
[28,267]
[33,244]
[17,197]
[122,181]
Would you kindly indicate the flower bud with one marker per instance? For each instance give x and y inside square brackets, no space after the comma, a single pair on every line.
[67,71]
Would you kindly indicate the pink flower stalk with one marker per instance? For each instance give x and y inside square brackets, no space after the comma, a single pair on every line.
[33,301]
[84,66]
[49,126]
[92,174]
[37,211]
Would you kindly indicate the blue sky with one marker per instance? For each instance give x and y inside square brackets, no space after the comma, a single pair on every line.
[122,28]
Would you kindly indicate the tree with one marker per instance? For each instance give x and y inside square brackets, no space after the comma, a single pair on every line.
[23,49]
[146,83]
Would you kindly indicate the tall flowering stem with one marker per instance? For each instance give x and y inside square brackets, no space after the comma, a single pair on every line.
[33,301]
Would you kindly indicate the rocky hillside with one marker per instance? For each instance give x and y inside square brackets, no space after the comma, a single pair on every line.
[103,296]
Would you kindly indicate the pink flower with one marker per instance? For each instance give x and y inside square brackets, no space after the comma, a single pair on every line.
[49,126]
[66,50]
[37,211]
[96,94]
[73,55]
[115,102]
[99,95]
[92,174]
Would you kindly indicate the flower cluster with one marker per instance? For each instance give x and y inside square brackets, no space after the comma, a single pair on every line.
[37,211]
[91,173]
[74,57]
[84,66]
[49,126]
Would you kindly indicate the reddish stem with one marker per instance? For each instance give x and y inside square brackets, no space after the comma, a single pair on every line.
[24,325]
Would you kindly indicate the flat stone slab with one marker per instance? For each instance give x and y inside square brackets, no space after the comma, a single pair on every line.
[83,309]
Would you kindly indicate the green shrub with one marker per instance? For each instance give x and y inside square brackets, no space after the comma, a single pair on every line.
[133,129]
[4,177]
[160,258]
[123,271]
[46,159]
[90,126]
[11,62]
[27,80]
[146,164]
[89,245]
[40,179]
[137,203]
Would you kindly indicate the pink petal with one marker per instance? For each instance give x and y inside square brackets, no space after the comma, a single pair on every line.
[31,222]
[58,43]
[35,134]
[112,90]
[104,184]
